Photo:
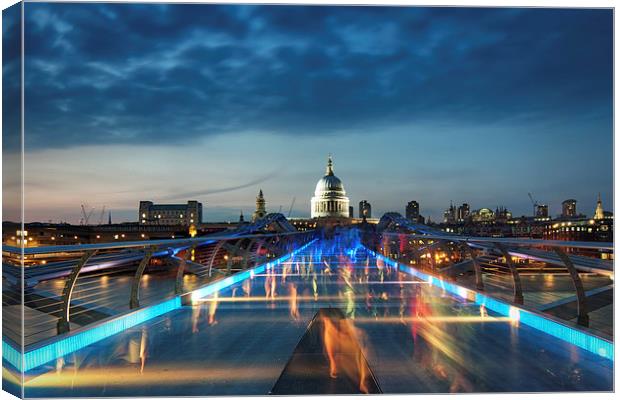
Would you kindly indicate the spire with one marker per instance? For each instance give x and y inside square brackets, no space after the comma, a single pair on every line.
[109,217]
[260,194]
[599,213]
[330,166]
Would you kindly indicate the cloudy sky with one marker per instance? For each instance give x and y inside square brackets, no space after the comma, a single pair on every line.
[129,102]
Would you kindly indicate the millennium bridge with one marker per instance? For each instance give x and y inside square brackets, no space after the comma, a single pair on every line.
[265,309]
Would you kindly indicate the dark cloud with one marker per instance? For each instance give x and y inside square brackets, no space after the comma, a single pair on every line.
[125,73]
[11,77]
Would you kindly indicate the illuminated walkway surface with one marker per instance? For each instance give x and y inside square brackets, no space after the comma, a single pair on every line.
[416,338]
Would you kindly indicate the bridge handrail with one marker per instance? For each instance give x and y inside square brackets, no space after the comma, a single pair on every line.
[509,241]
[181,242]
[235,250]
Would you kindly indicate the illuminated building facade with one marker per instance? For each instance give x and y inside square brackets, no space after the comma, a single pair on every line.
[449,216]
[599,213]
[483,215]
[569,208]
[49,234]
[542,210]
[582,229]
[502,214]
[303,224]
[330,198]
[170,214]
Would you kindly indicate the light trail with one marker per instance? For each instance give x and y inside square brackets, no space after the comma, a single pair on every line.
[435,319]
[155,375]
[263,299]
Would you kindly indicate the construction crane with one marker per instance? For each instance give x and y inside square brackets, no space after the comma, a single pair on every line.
[86,216]
[101,215]
[290,210]
[534,204]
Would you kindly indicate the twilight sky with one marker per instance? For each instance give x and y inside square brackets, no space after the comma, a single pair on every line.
[128,102]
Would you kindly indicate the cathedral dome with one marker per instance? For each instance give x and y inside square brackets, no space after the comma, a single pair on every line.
[329,183]
[329,195]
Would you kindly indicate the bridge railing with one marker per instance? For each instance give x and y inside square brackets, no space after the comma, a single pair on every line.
[489,261]
[65,287]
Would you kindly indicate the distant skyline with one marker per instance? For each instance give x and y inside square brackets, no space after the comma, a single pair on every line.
[130,102]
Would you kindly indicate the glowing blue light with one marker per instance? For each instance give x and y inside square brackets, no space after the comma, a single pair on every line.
[69,344]
[79,339]
[14,357]
[224,283]
[241,276]
[591,343]
[586,341]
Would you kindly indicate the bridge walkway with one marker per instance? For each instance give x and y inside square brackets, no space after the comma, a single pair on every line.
[415,337]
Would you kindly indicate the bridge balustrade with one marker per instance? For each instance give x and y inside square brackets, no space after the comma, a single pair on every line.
[507,267]
[92,282]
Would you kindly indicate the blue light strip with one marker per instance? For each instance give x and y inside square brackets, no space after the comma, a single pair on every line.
[240,276]
[576,337]
[12,356]
[69,344]
[80,339]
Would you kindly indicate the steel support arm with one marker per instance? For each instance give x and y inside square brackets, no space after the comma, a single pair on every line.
[582,304]
[63,323]
[134,297]
[516,279]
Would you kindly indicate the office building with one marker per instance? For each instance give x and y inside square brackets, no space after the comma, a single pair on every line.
[412,211]
[170,214]
[569,208]
[542,210]
[462,213]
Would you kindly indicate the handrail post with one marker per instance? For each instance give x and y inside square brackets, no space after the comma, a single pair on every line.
[477,268]
[134,297]
[214,255]
[178,286]
[582,303]
[516,279]
[63,325]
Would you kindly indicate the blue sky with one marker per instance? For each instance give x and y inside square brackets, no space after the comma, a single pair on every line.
[126,102]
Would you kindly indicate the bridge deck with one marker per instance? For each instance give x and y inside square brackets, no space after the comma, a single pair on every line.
[415,337]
